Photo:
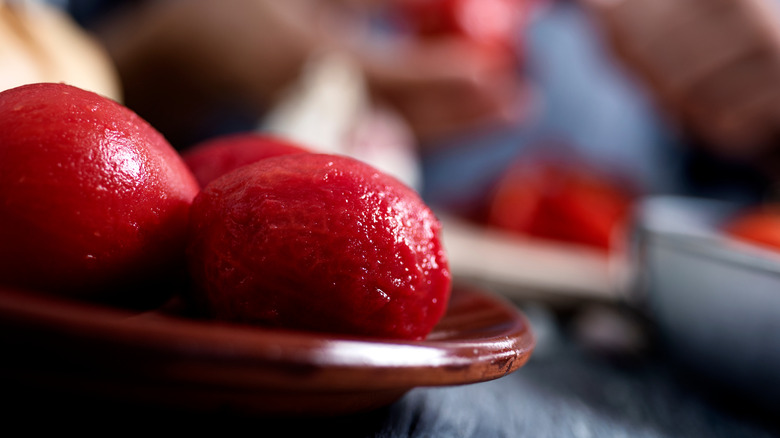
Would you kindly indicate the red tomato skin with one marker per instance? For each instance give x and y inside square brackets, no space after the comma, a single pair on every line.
[215,157]
[91,196]
[321,243]
[757,225]
[564,202]
[492,23]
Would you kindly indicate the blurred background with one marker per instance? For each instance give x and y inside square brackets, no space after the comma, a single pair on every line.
[585,156]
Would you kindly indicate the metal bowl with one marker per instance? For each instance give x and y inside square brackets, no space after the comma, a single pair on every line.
[716,300]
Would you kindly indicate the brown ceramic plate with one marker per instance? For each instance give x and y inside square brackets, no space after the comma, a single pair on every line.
[159,358]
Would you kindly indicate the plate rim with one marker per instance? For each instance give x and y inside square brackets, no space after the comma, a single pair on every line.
[256,358]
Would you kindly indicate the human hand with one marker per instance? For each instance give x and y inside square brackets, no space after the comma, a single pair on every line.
[181,62]
[713,65]
[448,86]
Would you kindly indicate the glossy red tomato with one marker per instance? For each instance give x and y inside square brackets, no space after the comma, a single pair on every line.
[757,225]
[560,201]
[318,242]
[217,156]
[92,198]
